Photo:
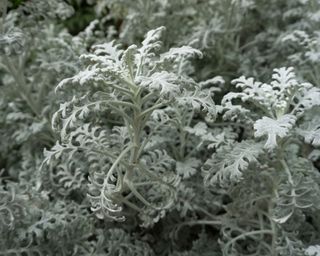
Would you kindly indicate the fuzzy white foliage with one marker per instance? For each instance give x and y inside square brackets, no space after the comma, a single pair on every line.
[313,250]
[206,136]
[312,137]
[311,131]
[277,97]
[217,80]
[152,40]
[308,98]
[226,167]
[273,129]
[176,54]
[83,77]
[163,81]
[297,36]
[200,100]
[114,80]
[270,96]
[188,168]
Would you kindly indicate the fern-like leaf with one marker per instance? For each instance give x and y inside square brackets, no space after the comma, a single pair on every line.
[227,165]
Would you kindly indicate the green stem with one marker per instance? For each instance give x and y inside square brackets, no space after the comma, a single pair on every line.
[125,91]
[251,233]
[121,113]
[183,134]
[138,195]
[274,239]
[151,109]
[272,222]
[201,222]
[133,87]
[287,170]
[147,97]
[122,103]
[114,165]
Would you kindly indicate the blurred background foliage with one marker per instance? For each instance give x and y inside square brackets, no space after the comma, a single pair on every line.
[83,15]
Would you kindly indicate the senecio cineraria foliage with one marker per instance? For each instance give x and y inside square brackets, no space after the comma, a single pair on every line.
[181,128]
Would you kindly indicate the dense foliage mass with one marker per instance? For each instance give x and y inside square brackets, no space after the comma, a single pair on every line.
[159,127]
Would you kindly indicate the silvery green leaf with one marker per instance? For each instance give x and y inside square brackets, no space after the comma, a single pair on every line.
[308,98]
[313,250]
[200,100]
[163,81]
[311,136]
[187,168]
[12,42]
[176,54]
[274,129]
[227,165]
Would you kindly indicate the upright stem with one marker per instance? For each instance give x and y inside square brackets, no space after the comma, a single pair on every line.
[274,231]
[136,127]
[136,132]
[183,134]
